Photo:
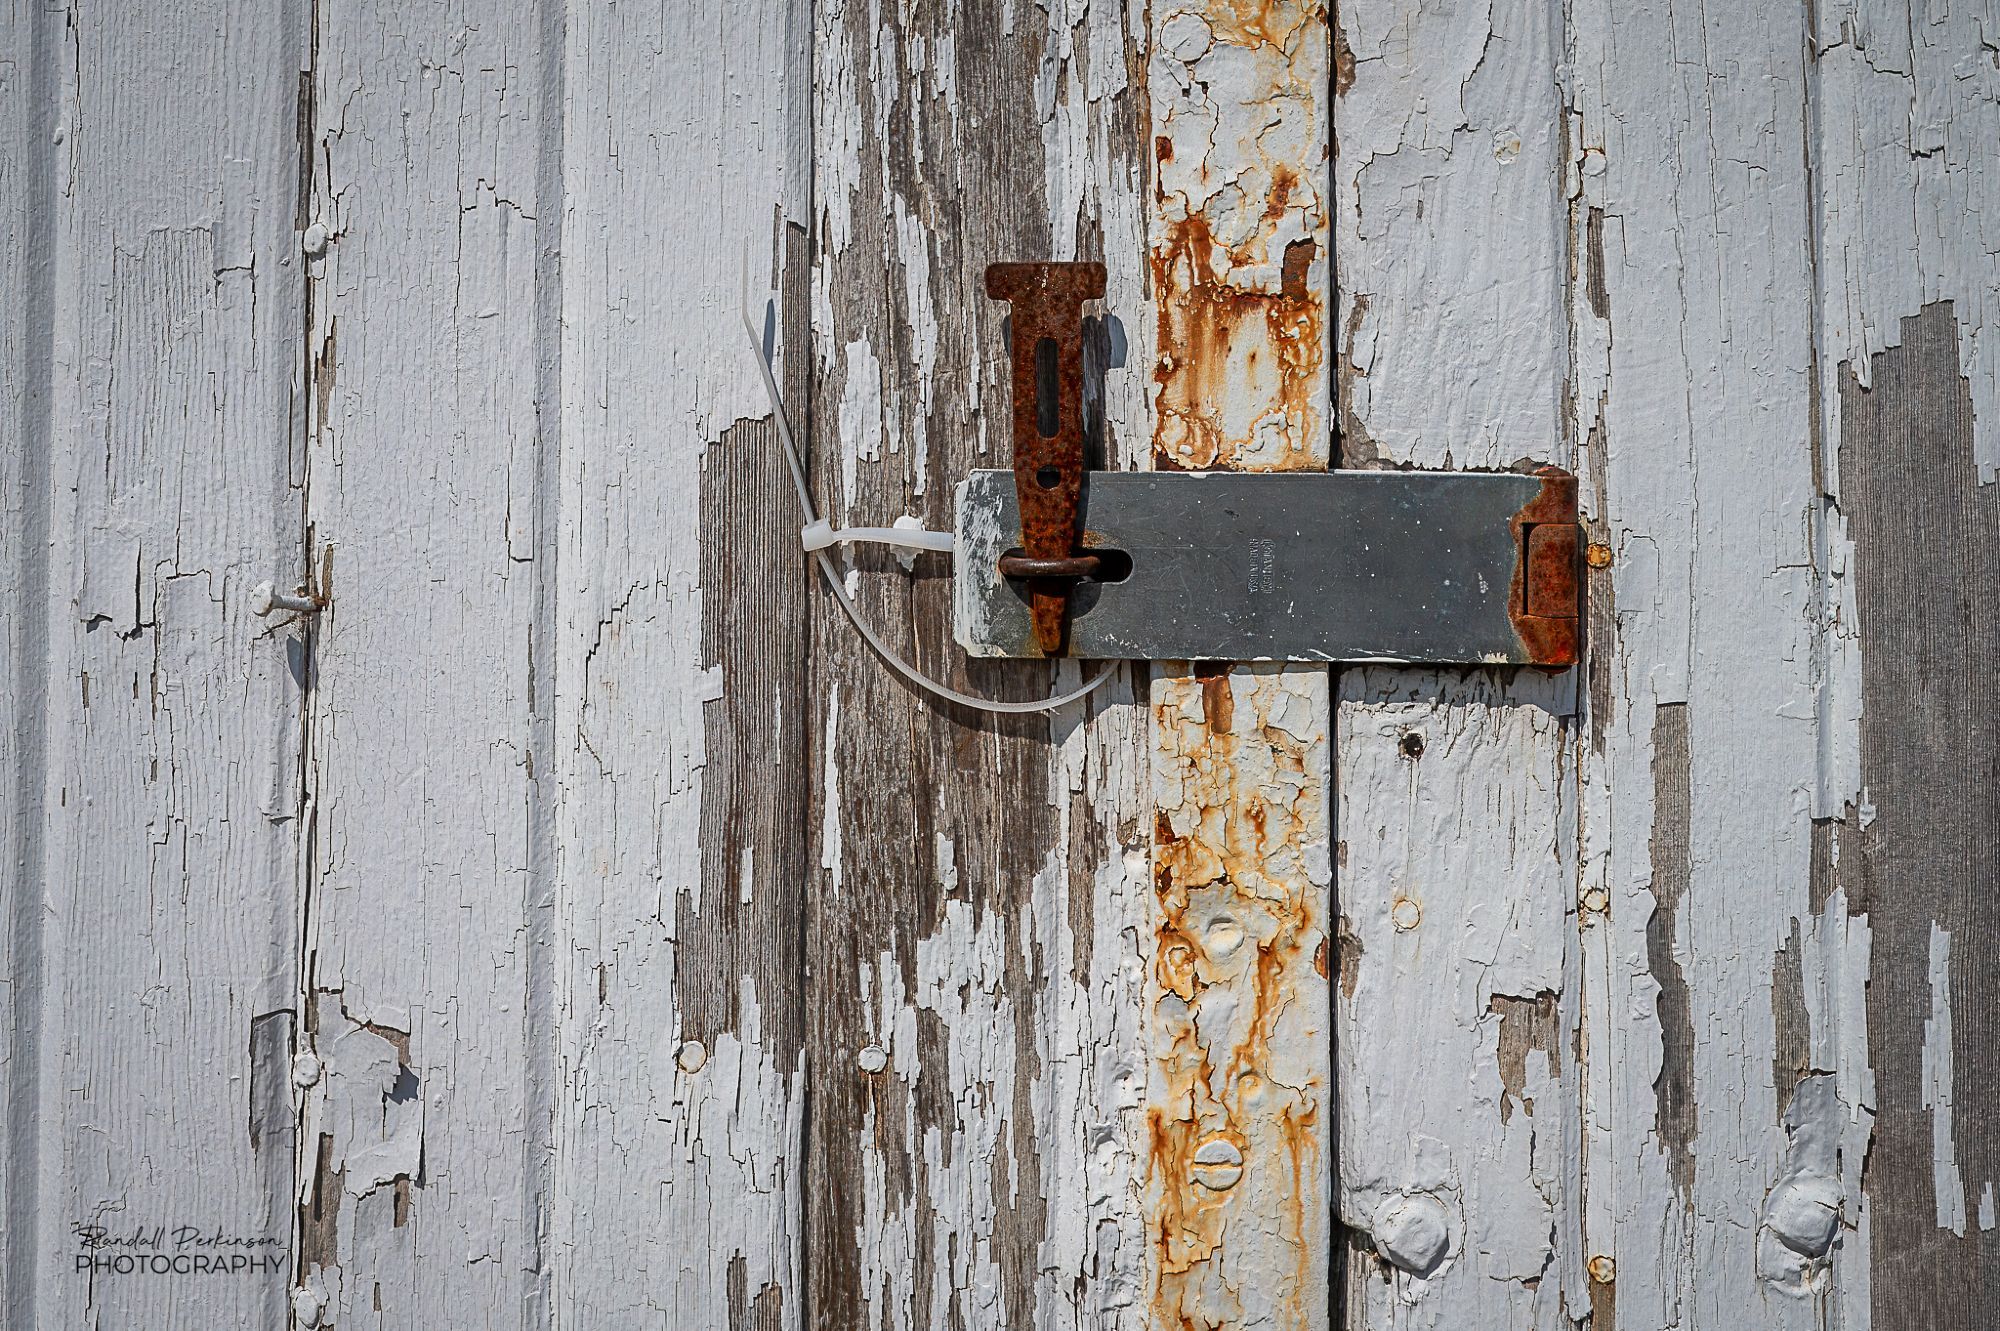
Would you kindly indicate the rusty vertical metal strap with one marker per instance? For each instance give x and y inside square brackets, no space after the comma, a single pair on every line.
[1047,301]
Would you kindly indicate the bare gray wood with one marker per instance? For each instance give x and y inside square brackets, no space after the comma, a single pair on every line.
[1922,860]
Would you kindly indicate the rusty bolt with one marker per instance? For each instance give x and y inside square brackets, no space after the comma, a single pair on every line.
[1597,554]
[1602,1269]
[1412,744]
[1596,900]
[1405,914]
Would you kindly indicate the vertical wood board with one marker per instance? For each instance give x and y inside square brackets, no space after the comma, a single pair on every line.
[977,1148]
[679,748]
[152,302]
[1239,1097]
[1459,1064]
[1720,1162]
[418,1154]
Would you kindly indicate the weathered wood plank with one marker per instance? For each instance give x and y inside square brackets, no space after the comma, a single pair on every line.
[419,1154]
[1718,1164]
[974,928]
[151,301]
[1239,1104]
[1459,959]
[1919,854]
[1907,107]
[680,714]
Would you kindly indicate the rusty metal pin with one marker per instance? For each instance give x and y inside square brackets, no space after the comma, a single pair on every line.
[1047,301]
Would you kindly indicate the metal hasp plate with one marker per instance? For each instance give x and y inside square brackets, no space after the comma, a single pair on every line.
[1446,567]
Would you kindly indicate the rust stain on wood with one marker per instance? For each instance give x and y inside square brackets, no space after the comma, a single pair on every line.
[1240,228]
[1238,1205]
[1221,344]
[1239,968]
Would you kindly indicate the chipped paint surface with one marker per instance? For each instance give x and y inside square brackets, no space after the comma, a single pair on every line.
[977,1122]
[150,311]
[1731,1099]
[423,411]
[1457,1047]
[1239,234]
[1908,101]
[1238,1101]
[460,932]
[675,1012]
[1460,1067]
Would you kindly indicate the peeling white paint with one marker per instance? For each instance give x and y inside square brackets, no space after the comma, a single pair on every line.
[829,827]
[1937,1088]
[1908,100]
[1694,299]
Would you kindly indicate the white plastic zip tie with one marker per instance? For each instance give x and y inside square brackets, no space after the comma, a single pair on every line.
[816,526]
[819,534]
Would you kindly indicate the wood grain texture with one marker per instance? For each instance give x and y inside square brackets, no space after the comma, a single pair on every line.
[974,954]
[1239,1098]
[1905,110]
[678,663]
[1918,854]
[419,1154]
[1719,1197]
[1459,1069]
[151,302]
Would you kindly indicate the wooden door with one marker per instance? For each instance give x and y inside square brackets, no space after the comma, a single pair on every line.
[569,923]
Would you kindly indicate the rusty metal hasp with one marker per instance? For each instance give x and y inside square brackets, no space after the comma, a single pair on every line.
[1446,567]
[1047,301]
